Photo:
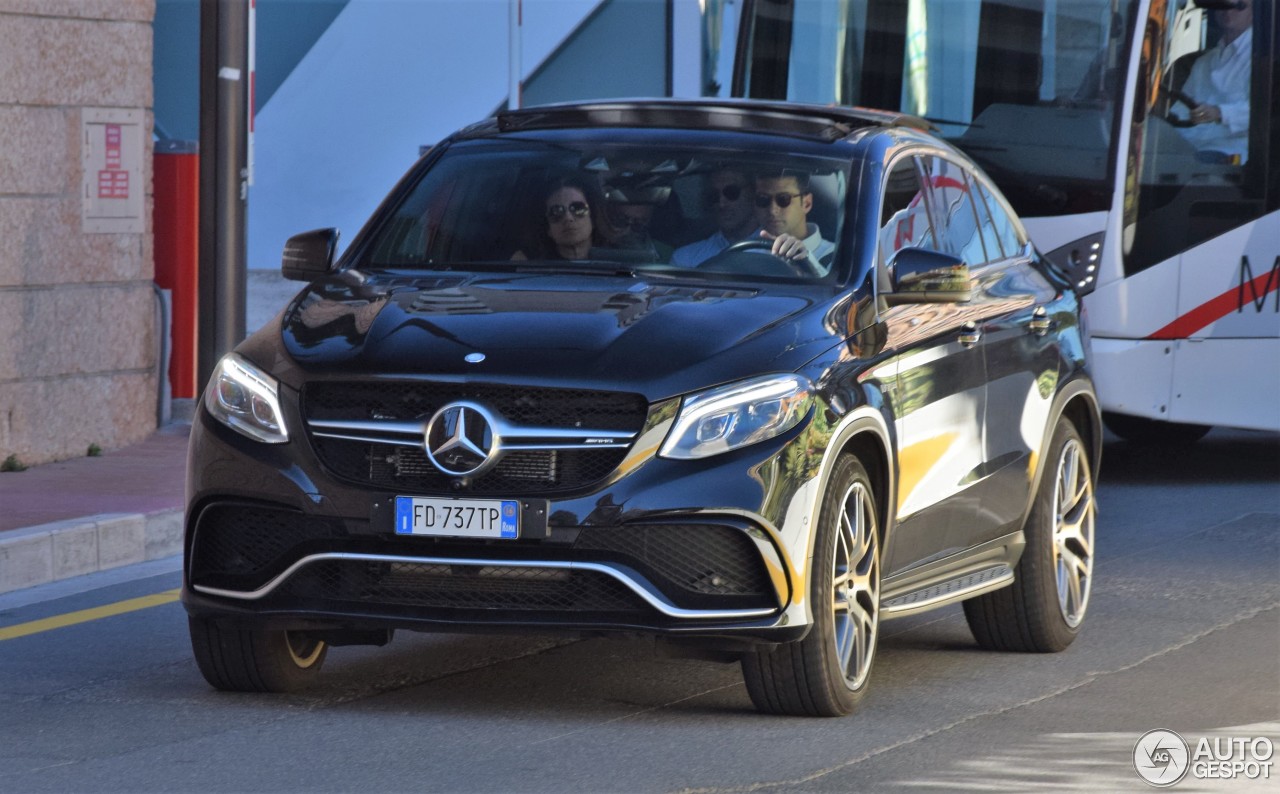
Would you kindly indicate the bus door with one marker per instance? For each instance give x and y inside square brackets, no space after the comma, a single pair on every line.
[1201,225]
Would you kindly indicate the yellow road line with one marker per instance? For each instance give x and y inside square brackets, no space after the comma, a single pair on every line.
[86,615]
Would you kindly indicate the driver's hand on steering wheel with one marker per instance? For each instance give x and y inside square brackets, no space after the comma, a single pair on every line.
[1206,114]
[786,246]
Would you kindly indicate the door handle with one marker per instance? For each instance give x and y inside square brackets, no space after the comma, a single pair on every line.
[1040,322]
[969,334]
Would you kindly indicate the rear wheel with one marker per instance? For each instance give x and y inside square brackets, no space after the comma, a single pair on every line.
[1043,610]
[255,660]
[826,673]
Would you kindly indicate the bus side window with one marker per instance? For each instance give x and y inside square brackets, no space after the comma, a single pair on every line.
[1199,149]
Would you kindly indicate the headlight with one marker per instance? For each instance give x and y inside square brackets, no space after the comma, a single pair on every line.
[733,416]
[245,399]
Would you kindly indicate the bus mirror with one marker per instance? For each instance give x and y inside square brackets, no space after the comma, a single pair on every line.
[309,255]
[923,276]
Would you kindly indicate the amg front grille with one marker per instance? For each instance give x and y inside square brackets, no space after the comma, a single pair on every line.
[536,407]
[401,464]
[406,469]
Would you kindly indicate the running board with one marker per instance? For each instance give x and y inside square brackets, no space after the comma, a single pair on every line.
[947,592]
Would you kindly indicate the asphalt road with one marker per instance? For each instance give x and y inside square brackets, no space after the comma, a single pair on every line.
[1183,633]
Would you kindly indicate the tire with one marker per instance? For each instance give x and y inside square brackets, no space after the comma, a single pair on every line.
[1044,609]
[826,674]
[1152,431]
[251,660]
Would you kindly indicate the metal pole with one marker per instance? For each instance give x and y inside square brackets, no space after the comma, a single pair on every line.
[514,89]
[224,65]
[669,87]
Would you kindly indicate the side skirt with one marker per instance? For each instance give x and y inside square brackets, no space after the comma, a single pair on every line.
[972,572]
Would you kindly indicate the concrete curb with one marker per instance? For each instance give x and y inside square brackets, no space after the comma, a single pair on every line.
[65,549]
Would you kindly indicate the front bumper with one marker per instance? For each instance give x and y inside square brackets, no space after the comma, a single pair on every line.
[272,539]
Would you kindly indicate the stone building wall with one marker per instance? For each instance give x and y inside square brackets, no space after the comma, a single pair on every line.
[78,314]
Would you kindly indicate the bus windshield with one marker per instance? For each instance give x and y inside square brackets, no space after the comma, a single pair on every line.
[1029,88]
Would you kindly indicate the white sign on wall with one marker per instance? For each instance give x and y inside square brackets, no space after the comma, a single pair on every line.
[111,142]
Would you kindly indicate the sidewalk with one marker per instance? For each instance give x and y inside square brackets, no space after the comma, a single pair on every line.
[84,515]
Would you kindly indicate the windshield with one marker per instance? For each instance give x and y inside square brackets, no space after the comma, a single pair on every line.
[568,202]
[1028,88]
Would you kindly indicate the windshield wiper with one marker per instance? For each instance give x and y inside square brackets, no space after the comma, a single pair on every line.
[596,267]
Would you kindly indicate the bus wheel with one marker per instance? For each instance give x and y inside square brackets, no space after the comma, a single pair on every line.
[1153,431]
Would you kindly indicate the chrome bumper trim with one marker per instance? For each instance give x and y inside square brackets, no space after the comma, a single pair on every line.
[654,599]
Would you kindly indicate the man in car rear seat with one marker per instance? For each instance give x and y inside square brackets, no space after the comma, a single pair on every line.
[731,193]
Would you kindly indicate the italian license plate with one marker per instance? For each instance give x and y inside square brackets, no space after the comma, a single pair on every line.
[497,519]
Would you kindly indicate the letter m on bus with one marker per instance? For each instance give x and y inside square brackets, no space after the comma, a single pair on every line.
[1258,288]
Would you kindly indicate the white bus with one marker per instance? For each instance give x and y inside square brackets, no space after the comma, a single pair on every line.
[1078,109]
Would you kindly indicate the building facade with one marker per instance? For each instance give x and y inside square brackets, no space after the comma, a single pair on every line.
[79,314]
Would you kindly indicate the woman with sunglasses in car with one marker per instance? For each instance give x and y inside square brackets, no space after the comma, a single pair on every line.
[569,221]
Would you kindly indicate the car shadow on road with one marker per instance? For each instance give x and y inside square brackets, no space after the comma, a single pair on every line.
[1226,456]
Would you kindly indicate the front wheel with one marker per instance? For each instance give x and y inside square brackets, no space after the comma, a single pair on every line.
[1044,608]
[826,673]
[255,660]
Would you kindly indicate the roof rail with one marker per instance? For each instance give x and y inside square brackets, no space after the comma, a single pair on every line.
[821,122]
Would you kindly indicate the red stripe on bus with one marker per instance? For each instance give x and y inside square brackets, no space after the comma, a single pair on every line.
[1215,309]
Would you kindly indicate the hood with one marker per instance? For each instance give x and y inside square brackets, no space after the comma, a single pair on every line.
[656,338]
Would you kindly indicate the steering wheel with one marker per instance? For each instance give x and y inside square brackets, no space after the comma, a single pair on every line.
[794,267]
[1168,97]
[749,245]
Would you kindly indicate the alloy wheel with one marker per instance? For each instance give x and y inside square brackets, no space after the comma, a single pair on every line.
[1073,529]
[302,649]
[856,584]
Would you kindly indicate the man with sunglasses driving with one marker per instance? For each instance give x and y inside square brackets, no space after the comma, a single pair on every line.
[783,202]
[730,194]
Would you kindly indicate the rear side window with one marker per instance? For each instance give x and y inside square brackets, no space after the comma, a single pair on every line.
[987,226]
[904,215]
[960,227]
[1005,227]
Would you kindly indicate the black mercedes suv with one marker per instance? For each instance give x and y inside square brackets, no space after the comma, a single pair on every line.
[751,378]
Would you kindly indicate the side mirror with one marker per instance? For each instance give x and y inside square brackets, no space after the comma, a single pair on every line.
[923,276]
[309,255]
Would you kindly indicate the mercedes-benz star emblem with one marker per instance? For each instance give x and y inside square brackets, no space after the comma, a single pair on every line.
[461,439]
